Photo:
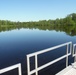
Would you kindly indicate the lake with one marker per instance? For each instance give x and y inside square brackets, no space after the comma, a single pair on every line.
[15,44]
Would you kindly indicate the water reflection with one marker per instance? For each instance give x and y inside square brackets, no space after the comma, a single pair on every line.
[70,30]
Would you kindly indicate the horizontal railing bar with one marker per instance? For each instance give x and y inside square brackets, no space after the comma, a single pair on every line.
[74,44]
[32,72]
[74,55]
[49,49]
[10,68]
[52,62]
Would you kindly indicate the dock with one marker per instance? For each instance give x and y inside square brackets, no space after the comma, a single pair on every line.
[70,70]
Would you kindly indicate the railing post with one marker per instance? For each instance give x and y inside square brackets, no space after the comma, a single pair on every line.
[20,69]
[71,47]
[28,66]
[67,56]
[36,64]
[75,55]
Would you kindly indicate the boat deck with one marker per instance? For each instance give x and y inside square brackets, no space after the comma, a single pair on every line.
[70,70]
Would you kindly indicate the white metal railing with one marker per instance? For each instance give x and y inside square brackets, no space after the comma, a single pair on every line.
[74,52]
[50,63]
[11,68]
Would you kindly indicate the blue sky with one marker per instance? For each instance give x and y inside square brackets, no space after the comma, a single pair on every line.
[34,10]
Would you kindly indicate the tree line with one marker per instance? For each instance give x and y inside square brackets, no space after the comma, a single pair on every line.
[67,24]
[68,20]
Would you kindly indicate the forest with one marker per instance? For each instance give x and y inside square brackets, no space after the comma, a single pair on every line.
[67,24]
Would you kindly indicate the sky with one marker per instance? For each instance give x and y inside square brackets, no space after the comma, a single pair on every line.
[35,10]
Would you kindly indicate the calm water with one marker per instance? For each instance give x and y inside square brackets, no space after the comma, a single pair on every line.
[16,44]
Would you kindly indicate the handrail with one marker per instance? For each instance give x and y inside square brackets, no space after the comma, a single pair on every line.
[11,68]
[74,52]
[50,63]
[36,60]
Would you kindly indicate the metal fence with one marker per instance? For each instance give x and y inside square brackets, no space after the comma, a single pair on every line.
[30,72]
[11,68]
[69,51]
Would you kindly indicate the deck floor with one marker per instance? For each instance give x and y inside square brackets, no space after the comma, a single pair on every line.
[71,72]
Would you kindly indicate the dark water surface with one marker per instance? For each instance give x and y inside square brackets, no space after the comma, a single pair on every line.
[17,43]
